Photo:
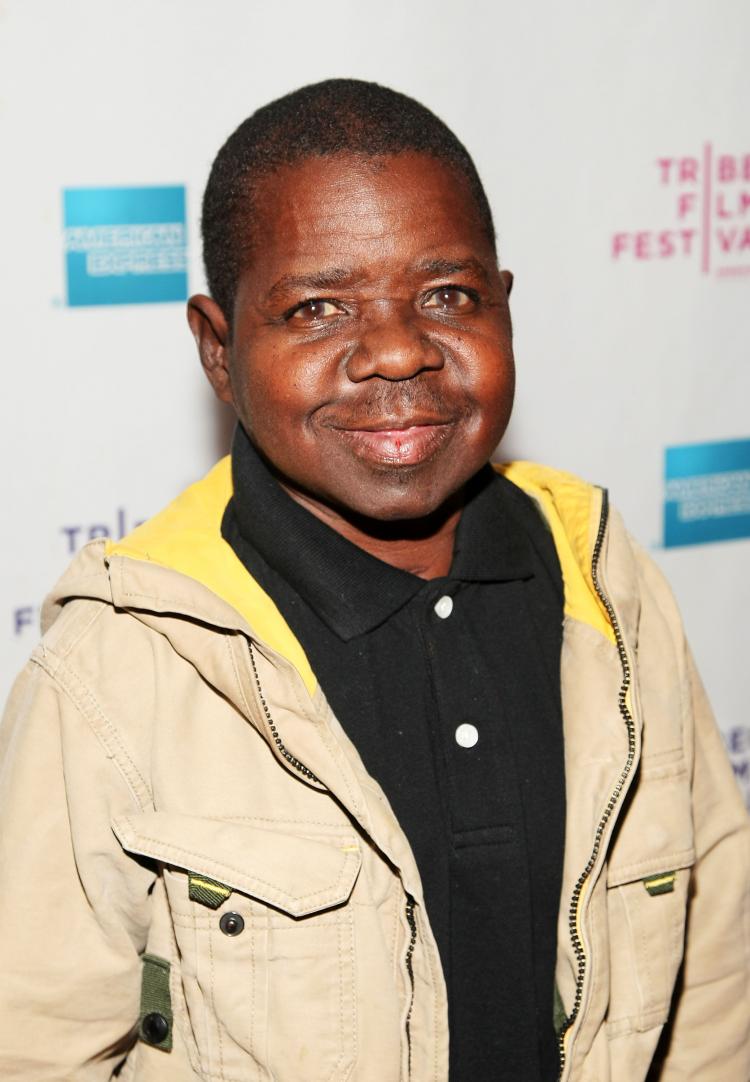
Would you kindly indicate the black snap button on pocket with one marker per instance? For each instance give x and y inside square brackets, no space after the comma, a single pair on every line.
[231,923]
[154,1027]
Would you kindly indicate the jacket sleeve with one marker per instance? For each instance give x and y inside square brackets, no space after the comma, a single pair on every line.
[709,1032]
[73,907]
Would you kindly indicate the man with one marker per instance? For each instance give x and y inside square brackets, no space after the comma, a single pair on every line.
[305,769]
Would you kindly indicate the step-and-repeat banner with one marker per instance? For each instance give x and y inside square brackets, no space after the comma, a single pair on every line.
[614,145]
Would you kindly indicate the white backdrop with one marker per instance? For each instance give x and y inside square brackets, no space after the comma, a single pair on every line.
[613,142]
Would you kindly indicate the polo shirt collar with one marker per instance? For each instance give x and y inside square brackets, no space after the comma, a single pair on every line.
[350,590]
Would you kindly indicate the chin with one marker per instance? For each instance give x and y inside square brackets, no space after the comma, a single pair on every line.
[401,498]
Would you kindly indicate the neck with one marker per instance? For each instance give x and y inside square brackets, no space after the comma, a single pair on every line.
[423,547]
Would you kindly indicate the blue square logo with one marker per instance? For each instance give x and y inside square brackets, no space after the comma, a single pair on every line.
[707,493]
[125,245]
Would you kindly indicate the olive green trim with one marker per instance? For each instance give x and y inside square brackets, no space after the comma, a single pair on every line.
[559,1014]
[156,999]
[207,891]
[660,884]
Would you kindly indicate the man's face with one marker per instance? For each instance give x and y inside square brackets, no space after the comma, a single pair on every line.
[370,358]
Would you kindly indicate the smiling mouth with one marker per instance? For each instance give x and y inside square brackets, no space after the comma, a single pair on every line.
[392,443]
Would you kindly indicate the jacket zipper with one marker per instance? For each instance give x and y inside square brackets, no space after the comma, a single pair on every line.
[616,792]
[291,759]
[411,920]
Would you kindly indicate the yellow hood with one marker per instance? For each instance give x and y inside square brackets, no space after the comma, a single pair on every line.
[186,537]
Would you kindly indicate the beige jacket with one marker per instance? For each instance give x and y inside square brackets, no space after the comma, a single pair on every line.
[171,774]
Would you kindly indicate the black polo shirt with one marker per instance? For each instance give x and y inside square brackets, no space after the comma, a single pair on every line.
[450,690]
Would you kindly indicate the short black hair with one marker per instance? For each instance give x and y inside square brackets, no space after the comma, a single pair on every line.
[336,116]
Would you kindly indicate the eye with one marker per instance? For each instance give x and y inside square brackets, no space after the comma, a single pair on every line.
[314,310]
[451,299]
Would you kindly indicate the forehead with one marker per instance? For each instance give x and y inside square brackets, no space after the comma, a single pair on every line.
[363,208]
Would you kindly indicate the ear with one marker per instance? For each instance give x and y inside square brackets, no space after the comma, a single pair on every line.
[211,334]
[507,277]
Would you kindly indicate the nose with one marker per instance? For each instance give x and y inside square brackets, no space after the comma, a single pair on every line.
[391,346]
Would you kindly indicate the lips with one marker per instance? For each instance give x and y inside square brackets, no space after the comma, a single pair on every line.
[396,442]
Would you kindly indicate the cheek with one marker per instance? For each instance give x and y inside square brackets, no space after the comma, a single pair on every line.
[492,384]
[503,382]
[274,401]
[260,389]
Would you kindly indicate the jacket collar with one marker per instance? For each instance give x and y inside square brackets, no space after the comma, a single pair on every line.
[178,563]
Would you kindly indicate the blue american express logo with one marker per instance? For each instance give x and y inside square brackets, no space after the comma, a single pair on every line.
[707,492]
[125,245]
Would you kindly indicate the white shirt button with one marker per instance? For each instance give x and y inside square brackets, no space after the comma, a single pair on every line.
[444,607]
[467,735]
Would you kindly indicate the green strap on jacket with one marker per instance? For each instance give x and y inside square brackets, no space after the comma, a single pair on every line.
[207,891]
[559,1014]
[660,884]
[155,1017]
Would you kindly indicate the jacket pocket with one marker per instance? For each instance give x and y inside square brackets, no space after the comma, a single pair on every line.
[268,976]
[648,880]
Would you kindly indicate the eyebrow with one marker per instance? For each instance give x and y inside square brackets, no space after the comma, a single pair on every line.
[437,268]
[317,280]
[331,277]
